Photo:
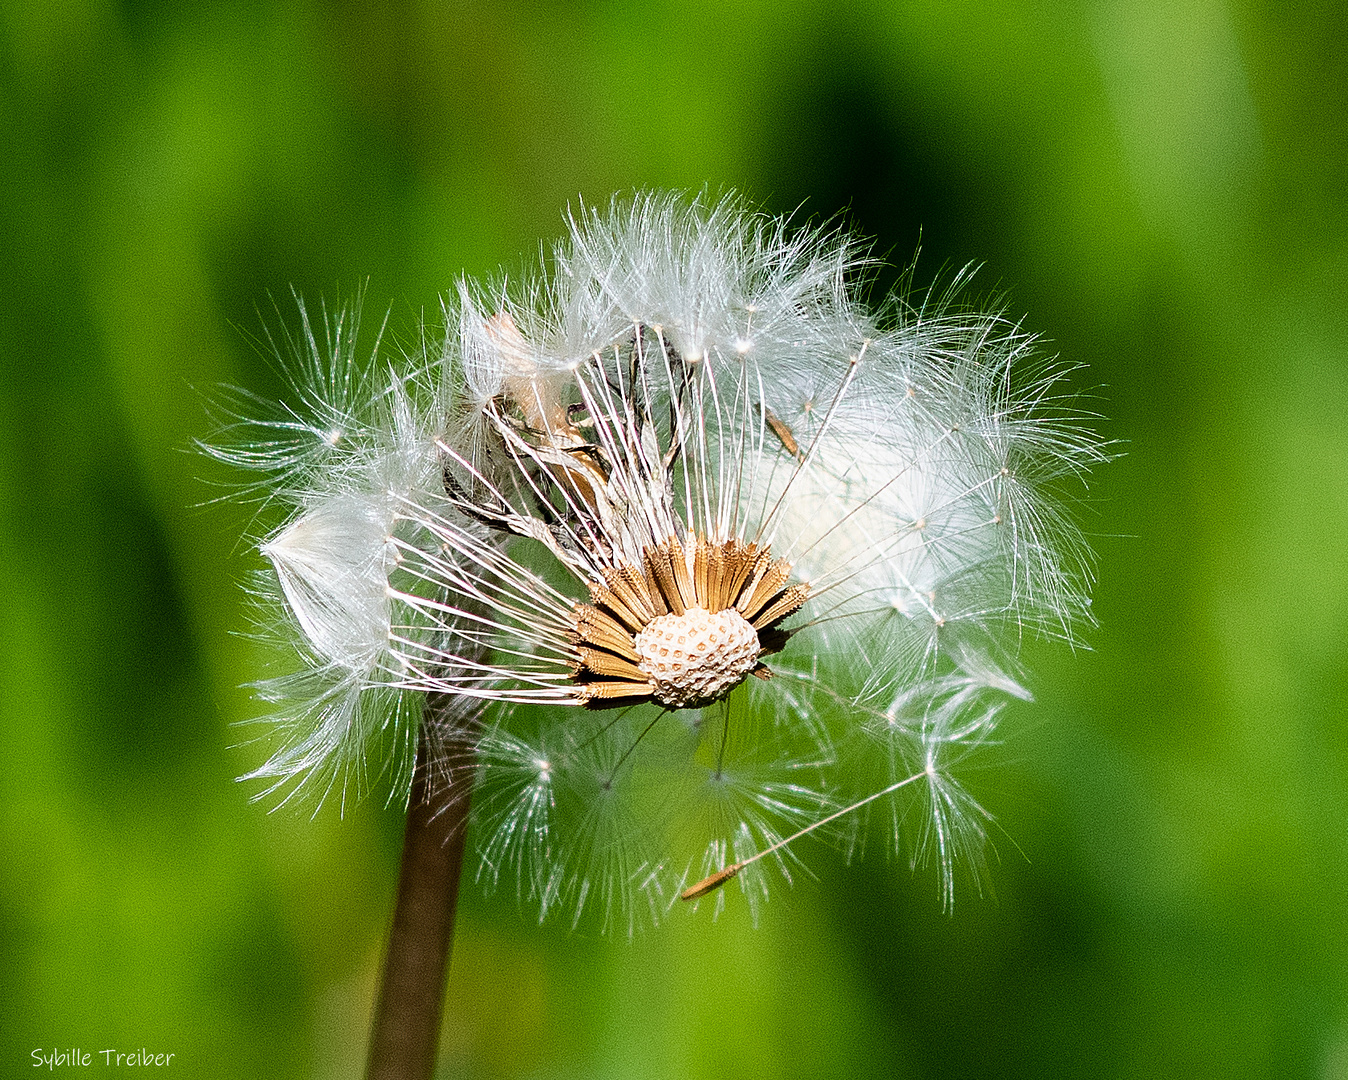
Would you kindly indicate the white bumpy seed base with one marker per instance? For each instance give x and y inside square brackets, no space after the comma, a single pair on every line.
[696,657]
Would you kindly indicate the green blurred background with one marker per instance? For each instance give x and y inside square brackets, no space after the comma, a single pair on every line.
[1162,185]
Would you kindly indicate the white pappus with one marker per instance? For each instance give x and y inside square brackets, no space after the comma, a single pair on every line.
[687,550]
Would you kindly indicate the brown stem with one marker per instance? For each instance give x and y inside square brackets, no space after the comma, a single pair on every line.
[411,995]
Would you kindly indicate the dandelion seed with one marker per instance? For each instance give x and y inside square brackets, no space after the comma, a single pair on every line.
[684,455]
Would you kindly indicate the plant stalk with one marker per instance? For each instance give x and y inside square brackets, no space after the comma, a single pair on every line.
[406,1029]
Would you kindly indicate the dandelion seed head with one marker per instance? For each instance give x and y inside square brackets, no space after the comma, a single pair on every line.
[690,551]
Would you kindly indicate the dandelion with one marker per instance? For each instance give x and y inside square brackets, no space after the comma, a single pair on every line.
[689,552]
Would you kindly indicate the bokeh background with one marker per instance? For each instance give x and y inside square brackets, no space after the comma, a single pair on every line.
[1160,186]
